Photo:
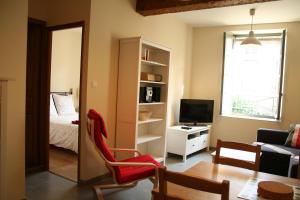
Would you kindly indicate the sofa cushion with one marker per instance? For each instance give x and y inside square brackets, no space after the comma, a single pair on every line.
[132,173]
[296,137]
[291,131]
[290,149]
[271,136]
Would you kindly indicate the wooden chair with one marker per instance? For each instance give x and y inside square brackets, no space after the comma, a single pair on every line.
[252,165]
[189,182]
[125,173]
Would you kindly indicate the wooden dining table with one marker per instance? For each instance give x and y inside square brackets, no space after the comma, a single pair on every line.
[238,178]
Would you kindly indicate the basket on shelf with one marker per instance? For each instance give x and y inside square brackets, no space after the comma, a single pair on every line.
[144,115]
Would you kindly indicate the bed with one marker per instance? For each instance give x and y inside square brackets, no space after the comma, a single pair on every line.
[62,132]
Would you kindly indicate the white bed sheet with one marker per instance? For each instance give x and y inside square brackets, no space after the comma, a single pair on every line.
[63,133]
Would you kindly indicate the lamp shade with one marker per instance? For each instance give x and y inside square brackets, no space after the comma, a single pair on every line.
[251,39]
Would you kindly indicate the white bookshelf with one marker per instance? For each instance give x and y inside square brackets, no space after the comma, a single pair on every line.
[148,136]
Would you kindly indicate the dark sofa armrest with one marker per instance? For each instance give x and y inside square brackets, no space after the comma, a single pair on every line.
[271,136]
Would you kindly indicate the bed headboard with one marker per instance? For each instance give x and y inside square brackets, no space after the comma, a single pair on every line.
[63,93]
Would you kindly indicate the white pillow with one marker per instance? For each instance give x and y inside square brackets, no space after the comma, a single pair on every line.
[64,104]
[53,111]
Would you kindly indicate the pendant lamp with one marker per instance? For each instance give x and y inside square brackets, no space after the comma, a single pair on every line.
[251,39]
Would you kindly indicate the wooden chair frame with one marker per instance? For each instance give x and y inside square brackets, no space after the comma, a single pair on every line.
[236,162]
[110,165]
[196,183]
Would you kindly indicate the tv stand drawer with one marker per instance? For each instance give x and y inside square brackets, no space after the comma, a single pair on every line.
[193,145]
[203,141]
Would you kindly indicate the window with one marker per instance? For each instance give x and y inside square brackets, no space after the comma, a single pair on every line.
[253,76]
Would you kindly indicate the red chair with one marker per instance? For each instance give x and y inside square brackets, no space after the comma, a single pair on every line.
[125,173]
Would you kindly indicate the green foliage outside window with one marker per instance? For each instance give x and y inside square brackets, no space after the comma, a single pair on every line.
[241,106]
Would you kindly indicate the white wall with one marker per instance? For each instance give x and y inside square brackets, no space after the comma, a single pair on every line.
[207,77]
[115,19]
[13,40]
[65,62]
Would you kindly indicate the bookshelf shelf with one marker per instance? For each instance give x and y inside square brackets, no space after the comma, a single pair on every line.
[153,103]
[153,63]
[147,138]
[153,82]
[151,120]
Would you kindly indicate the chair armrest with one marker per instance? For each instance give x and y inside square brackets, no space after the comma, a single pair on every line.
[132,164]
[125,150]
[271,136]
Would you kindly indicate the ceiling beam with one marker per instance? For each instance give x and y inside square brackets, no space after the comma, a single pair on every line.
[157,7]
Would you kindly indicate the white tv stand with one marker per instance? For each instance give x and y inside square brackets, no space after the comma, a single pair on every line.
[187,141]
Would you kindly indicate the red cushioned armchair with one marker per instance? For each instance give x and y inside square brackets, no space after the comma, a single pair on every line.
[127,172]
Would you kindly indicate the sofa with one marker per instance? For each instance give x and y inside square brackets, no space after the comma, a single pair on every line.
[272,161]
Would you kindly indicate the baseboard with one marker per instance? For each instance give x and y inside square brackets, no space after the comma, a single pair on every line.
[212,148]
[33,170]
[94,180]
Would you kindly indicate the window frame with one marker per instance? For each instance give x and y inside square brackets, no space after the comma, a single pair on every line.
[281,79]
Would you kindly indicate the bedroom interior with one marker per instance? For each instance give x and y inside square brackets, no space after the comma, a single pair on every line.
[195,42]
[64,101]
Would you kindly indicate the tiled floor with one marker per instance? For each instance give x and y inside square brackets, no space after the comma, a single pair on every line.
[47,186]
[174,162]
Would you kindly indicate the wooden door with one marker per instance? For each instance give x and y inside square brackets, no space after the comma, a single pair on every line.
[37,98]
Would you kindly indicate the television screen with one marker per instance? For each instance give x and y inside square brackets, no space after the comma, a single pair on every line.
[196,111]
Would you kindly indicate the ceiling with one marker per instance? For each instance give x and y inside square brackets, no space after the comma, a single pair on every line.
[269,12]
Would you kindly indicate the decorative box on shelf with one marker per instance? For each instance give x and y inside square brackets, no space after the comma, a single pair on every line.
[144,115]
[145,76]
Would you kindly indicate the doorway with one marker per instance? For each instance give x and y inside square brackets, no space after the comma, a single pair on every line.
[52,68]
[65,69]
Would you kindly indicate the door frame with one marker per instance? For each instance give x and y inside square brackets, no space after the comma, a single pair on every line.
[44,114]
[50,31]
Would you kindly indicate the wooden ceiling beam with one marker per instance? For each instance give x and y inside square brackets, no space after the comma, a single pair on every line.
[157,7]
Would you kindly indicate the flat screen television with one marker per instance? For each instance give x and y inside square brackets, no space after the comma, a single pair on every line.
[196,111]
